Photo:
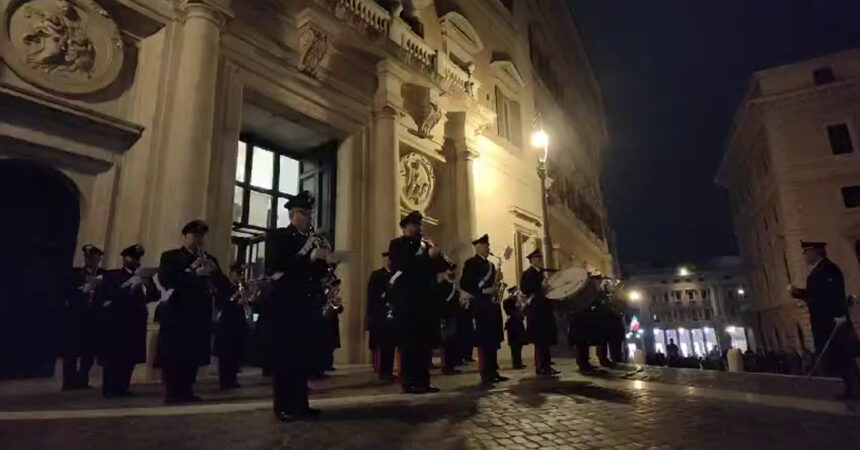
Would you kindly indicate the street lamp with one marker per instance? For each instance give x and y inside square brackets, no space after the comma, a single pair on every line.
[540,141]
[635,296]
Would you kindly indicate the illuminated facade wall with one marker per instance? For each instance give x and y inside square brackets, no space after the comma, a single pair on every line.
[792,173]
[430,111]
[699,308]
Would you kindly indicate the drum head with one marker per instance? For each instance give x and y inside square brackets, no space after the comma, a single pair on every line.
[566,283]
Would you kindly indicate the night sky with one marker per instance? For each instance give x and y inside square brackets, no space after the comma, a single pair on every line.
[673,73]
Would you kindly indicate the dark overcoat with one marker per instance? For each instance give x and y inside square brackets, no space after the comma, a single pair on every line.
[541,327]
[412,291]
[479,275]
[185,331]
[123,318]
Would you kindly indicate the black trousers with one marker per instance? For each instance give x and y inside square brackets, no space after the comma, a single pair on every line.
[451,356]
[517,355]
[582,356]
[543,358]
[415,358]
[116,378]
[228,370]
[76,370]
[386,359]
[290,387]
[488,362]
[179,378]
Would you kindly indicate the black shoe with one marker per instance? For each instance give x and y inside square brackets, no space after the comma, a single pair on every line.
[520,367]
[451,371]
[284,416]
[432,389]
[487,382]
[554,372]
[318,376]
[500,379]
[414,389]
[388,378]
[312,413]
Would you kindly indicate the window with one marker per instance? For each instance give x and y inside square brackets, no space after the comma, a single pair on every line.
[263,179]
[823,76]
[705,294]
[691,294]
[508,123]
[708,314]
[851,196]
[665,297]
[677,295]
[840,139]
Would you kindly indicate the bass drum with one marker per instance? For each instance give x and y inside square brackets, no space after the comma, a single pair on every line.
[572,289]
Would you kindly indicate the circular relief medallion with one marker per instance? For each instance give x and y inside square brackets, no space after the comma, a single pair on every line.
[65,46]
[417,181]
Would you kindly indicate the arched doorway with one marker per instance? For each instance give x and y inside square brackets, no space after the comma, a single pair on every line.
[41,215]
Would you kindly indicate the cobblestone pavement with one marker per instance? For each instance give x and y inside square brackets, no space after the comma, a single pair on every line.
[570,413]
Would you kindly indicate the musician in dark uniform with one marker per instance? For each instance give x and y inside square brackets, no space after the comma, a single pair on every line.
[824,295]
[540,319]
[412,288]
[479,282]
[80,321]
[291,313]
[380,318]
[185,332]
[232,333]
[448,296]
[123,296]
[516,328]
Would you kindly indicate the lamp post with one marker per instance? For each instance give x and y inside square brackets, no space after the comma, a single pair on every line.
[540,141]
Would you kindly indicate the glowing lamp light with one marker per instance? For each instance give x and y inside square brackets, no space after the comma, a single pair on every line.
[730,329]
[683,271]
[741,291]
[635,296]
[540,139]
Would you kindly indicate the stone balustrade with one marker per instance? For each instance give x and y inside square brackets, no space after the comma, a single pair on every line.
[370,14]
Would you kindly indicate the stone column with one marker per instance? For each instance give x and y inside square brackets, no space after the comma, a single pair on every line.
[384,159]
[461,157]
[186,150]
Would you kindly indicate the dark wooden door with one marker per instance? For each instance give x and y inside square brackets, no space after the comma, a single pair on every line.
[39,232]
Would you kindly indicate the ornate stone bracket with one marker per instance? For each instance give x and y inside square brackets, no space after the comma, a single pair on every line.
[316,36]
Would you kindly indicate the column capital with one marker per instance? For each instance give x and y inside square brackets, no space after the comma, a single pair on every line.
[216,11]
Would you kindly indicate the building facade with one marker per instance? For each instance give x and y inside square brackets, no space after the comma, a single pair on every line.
[124,119]
[793,173]
[699,308]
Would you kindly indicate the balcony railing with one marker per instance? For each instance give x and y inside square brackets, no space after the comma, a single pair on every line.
[369,14]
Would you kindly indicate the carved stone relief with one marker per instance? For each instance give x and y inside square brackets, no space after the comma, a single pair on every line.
[314,44]
[417,180]
[66,46]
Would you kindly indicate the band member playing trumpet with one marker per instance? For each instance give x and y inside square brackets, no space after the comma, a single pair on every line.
[380,318]
[122,297]
[448,298]
[185,332]
[231,327]
[516,327]
[540,320]
[291,319]
[80,321]
[411,288]
[479,282]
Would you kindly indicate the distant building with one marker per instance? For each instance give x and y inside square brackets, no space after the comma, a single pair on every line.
[699,308]
[793,171]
